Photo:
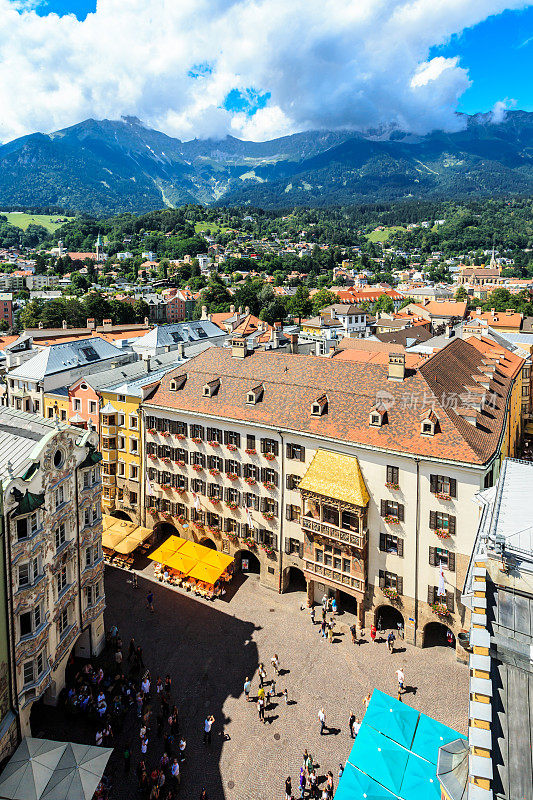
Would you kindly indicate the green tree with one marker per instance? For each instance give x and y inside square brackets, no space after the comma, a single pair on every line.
[461,294]
[322,299]
[384,303]
[299,305]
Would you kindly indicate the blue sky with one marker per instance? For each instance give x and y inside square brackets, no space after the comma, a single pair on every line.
[262,69]
[498,54]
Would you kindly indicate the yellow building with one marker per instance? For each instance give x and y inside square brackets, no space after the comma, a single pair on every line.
[56,403]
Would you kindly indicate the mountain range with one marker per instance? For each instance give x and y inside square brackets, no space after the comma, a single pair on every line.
[107,166]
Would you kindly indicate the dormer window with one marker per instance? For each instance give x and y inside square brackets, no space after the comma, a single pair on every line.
[320,406]
[378,416]
[255,395]
[428,424]
[177,383]
[211,387]
[428,428]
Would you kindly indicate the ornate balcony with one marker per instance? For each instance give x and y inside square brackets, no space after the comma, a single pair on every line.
[345,580]
[311,525]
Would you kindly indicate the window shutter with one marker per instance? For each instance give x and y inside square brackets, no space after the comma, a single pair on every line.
[400,547]
[274,541]
[262,504]
[433,483]
[257,536]
[302,453]
[238,527]
[288,514]
[209,433]
[263,474]
[453,487]
[276,508]
[246,470]
[276,478]
[226,494]
[389,474]
[381,579]
[262,445]
[450,601]
[288,482]
[276,448]
[451,561]
[399,584]
[287,544]
[301,549]
[289,450]
[431,595]
[432,520]
[432,561]
[401,512]
[382,544]
[451,525]
[226,437]
[227,465]
[383,508]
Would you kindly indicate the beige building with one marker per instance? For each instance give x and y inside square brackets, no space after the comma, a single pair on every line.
[51,493]
[351,478]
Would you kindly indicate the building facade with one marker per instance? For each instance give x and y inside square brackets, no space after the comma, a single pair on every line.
[357,477]
[51,492]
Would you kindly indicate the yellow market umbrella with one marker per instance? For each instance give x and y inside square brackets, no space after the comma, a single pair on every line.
[122,526]
[176,542]
[162,554]
[107,521]
[127,546]
[215,559]
[110,540]
[141,534]
[206,573]
[181,563]
[192,549]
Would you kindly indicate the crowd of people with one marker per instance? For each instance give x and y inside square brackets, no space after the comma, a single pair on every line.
[123,693]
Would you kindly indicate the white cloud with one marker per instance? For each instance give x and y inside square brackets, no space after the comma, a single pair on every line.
[499,109]
[325,63]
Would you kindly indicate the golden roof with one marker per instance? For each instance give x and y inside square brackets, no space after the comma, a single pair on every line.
[337,476]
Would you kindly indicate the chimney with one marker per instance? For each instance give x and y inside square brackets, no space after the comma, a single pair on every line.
[40,326]
[209,317]
[91,323]
[240,309]
[232,309]
[478,310]
[293,342]
[146,322]
[204,312]
[64,324]
[396,366]
[247,310]
[181,350]
[449,331]
[493,311]
[107,324]
[239,348]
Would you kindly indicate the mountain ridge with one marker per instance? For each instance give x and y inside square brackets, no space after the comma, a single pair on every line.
[110,166]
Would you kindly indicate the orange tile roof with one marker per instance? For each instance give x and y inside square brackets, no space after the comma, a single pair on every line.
[500,319]
[293,382]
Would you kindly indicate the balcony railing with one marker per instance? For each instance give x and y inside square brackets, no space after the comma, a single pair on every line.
[109,480]
[333,532]
[335,575]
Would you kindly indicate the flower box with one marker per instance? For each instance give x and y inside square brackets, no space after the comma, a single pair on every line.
[167,515]
[251,451]
[440,609]
[197,467]
[249,542]
[268,550]
[152,456]
[213,443]
[250,481]
[167,487]
[269,485]
[231,504]
[153,511]
[213,530]
[442,533]
[231,447]
[182,519]
[180,462]
[268,515]
[152,431]
[269,456]
[199,526]
[391,520]
[196,440]
[443,496]
[166,460]
[166,433]
[214,471]
[233,537]
[180,436]
[180,489]
[214,500]
[232,476]
[392,594]
[391,485]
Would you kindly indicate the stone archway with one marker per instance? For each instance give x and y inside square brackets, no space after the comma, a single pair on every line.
[163,530]
[207,542]
[436,634]
[121,515]
[294,580]
[247,562]
[388,618]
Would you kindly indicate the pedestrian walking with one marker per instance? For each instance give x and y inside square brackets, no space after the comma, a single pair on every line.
[390,642]
[353,631]
[401,680]
[323,628]
[356,727]
[118,661]
[322,720]
[313,786]
[272,688]
[366,701]
[313,614]
[175,773]
[341,770]
[329,783]
[275,663]
[351,723]
[288,788]
[168,684]
[127,760]
[208,724]
[302,782]
[131,650]
[262,674]
[333,606]
[285,694]
[144,745]
[134,583]
[150,601]
[373,633]
[261,709]
[330,634]
[261,693]
[247,687]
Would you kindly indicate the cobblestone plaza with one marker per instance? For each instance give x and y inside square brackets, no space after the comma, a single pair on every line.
[210,648]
